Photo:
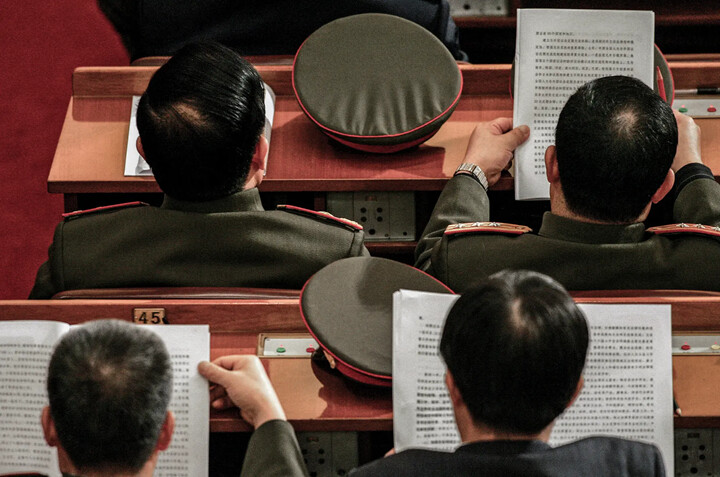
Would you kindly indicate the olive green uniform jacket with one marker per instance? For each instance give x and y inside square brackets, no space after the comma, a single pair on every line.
[273,451]
[229,242]
[581,256]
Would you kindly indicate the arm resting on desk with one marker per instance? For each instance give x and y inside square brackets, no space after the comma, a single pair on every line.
[241,380]
[464,199]
[698,197]
[697,194]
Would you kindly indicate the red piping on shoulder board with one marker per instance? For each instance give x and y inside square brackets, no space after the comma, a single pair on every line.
[104,207]
[686,228]
[491,227]
[326,215]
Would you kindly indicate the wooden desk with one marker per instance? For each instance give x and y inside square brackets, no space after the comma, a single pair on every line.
[313,399]
[91,150]
[316,400]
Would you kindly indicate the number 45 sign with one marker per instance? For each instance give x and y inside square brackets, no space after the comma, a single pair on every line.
[149,316]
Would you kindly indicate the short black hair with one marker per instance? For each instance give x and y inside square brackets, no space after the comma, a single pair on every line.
[515,345]
[616,140]
[199,121]
[109,384]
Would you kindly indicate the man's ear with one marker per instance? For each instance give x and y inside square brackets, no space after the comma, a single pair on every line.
[257,165]
[261,152]
[551,167]
[139,147]
[576,393]
[166,432]
[48,426]
[455,396]
[664,188]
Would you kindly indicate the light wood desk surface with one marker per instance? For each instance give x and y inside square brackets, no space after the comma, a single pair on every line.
[91,149]
[315,399]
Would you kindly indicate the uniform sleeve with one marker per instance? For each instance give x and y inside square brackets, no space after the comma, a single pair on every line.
[698,202]
[273,451]
[48,280]
[462,200]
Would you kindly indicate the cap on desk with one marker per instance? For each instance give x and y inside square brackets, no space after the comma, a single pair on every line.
[376,82]
[347,307]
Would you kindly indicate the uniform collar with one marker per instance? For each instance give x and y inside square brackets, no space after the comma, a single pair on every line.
[246,200]
[555,226]
[504,447]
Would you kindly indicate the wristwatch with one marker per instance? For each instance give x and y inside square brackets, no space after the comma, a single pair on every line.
[475,171]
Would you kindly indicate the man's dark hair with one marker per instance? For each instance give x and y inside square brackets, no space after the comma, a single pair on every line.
[616,140]
[109,384]
[199,122]
[515,345]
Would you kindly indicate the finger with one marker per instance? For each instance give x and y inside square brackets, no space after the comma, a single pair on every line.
[234,361]
[501,125]
[217,393]
[516,137]
[222,403]
[213,372]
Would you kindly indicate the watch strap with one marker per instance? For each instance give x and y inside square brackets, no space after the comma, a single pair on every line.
[475,171]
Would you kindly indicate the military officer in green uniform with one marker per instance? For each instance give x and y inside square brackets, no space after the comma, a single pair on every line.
[200,124]
[619,149]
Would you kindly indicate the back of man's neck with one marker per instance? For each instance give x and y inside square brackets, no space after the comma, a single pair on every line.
[481,433]
[560,208]
[146,471]
[142,473]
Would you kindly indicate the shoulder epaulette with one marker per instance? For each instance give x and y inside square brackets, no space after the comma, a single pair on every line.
[685,228]
[487,227]
[322,215]
[105,208]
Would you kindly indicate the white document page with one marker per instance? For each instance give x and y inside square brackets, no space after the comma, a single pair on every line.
[25,350]
[188,451]
[628,379]
[135,165]
[628,376]
[422,412]
[269,118]
[557,51]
